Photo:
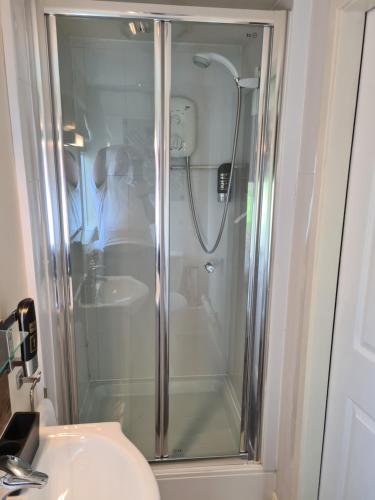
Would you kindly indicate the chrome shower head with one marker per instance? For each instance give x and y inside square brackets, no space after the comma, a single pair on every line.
[201,61]
[204,59]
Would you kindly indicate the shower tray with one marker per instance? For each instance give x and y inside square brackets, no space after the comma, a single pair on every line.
[200,425]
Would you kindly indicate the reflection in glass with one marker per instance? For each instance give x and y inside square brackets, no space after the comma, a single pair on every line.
[106,79]
[124,209]
[74,201]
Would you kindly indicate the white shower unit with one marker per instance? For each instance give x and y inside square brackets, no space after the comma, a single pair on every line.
[161,179]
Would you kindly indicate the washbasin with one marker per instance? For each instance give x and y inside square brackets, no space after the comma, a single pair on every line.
[91,462]
[123,291]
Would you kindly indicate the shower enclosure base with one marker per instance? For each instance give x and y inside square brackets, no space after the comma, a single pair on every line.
[205,418]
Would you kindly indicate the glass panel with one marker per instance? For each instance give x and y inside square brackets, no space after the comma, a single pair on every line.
[10,343]
[209,290]
[107,93]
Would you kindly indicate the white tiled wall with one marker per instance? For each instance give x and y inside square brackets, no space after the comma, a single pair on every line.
[113,88]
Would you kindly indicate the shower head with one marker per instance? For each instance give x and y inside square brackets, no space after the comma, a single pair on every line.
[204,59]
[201,61]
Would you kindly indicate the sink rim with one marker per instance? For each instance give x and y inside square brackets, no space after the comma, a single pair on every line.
[142,292]
[53,437]
[140,288]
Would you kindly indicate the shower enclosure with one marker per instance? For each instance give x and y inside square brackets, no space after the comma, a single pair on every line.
[164,131]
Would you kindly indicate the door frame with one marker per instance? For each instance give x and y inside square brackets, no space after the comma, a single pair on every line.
[337,117]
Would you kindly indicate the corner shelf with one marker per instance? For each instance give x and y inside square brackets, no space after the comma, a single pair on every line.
[10,343]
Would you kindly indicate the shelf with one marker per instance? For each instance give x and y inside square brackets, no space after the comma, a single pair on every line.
[10,343]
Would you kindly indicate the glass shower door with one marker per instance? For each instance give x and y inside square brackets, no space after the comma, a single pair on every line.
[106,79]
[213,137]
[160,137]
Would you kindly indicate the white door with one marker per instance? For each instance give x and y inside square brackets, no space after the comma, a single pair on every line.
[348,469]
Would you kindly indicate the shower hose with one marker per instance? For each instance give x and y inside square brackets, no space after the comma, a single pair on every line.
[198,232]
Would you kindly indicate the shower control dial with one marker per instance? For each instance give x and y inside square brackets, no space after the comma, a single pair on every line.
[210,268]
[183,125]
[176,143]
[176,120]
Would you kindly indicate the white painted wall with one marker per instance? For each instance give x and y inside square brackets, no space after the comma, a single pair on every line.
[13,282]
[306,62]
[22,112]
[333,57]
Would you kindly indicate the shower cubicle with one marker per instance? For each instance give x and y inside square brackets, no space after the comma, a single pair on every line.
[161,187]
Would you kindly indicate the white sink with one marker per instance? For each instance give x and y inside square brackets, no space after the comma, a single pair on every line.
[123,291]
[91,461]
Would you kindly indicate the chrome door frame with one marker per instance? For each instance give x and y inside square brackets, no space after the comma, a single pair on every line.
[162,45]
[259,261]
[67,321]
[259,271]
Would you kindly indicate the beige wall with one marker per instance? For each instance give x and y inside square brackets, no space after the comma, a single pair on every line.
[13,281]
[315,16]
[332,71]
[13,286]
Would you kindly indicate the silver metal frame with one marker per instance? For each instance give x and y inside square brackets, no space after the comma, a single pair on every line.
[258,270]
[162,41]
[66,278]
[252,333]
[260,258]
[128,10]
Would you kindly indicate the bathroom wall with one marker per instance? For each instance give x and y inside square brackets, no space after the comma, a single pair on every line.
[319,195]
[13,281]
[214,95]
[34,208]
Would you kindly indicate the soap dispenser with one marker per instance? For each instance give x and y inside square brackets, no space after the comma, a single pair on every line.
[24,314]
[29,348]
